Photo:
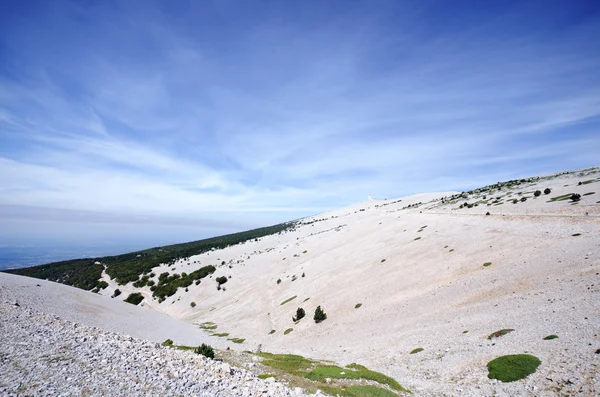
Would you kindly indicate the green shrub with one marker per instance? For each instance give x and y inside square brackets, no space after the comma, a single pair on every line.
[287,331]
[537,193]
[575,197]
[135,298]
[300,313]
[547,190]
[193,304]
[498,334]
[168,343]
[319,315]
[288,300]
[417,350]
[272,332]
[116,293]
[550,337]
[357,305]
[512,367]
[486,264]
[278,281]
[221,280]
[205,350]
[515,201]
[523,199]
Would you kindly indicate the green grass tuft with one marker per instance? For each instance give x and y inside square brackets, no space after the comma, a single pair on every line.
[418,238]
[224,334]
[287,331]
[513,367]
[486,264]
[265,376]
[550,337]
[498,334]
[357,305]
[272,332]
[576,234]
[290,363]
[237,340]
[353,371]
[208,325]
[418,349]
[288,300]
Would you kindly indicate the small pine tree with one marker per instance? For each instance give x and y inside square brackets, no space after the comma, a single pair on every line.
[537,193]
[575,197]
[205,350]
[319,315]
[300,313]
[547,190]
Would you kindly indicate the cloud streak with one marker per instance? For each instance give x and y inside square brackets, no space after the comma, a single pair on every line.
[213,112]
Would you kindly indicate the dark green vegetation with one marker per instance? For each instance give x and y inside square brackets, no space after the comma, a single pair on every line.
[319,315]
[486,264]
[287,331]
[221,335]
[271,332]
[265,376]
[86,273]
[237,340]
[168,343]
[208,325]
[550,337]
[290,363]
[205,350]
[357,305]
[564,197]
[168,284]
[136,298]
[576,234]
[512,367]
[358,391]
[417,350]
[498,334]
[300,313]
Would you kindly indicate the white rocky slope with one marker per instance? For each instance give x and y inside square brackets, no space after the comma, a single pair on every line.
[44,354]
[416,266]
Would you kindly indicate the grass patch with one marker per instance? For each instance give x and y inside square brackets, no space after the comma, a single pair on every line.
[208,325]
[486,264]
[290,363]
[588,194]
[288,300]
[452,250]
[287,331]
[265,376]
[305,299]
[512,367]
[357,391]
[550,337]
[352,371]
[237,340]
[576,234]
[588,182]
[418,349]
[498,334]
[383,260]
[272,332]
[564,197]
[418,238]
[224,334]
[357,305]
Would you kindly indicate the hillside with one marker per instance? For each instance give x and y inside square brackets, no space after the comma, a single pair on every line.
[442,272]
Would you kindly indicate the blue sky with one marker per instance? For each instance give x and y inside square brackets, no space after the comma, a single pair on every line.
[159,122]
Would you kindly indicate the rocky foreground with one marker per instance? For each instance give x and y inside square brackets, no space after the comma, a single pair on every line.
[44,355]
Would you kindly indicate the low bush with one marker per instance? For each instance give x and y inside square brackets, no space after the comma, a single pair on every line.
[357,305]
[547,190]
[193,304]
[221,280]
[116,293]
[168,343]
[319,315]
[512,367]
[300,313]
[135,299]
[417,350]
[550,337]
[498,334]
[537,193]
[575,197]
[515,201]
[205,350]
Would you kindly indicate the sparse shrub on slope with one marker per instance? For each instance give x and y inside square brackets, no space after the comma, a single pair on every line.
[537,193]
[221,280]
[116,293]
[205,350]
[547,190]
[319,315]
[300,313]
[575,197]
[135,299]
